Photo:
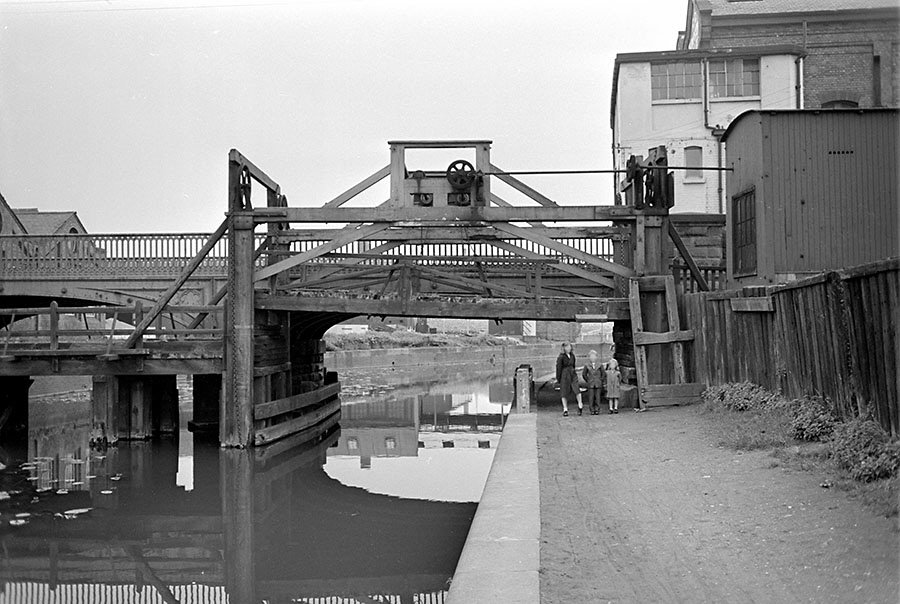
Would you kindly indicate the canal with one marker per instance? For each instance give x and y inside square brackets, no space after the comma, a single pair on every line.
[375,510]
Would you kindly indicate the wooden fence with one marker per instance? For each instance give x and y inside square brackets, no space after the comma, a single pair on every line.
[835,335]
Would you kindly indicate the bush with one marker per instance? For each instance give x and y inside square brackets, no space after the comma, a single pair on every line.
[741,396]
[864,449]
[811,419]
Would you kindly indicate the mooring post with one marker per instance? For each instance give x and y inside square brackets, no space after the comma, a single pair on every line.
[237,405]
[524,388]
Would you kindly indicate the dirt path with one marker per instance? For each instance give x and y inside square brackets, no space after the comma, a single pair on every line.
[642,508]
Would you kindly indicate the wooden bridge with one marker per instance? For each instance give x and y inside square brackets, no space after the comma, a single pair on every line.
[252,301]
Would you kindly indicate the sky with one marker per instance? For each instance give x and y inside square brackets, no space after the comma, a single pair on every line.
[125,110]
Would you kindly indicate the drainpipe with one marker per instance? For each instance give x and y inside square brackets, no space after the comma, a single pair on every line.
[717,132]
[799,87]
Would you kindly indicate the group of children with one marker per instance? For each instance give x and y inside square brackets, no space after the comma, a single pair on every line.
[602,380]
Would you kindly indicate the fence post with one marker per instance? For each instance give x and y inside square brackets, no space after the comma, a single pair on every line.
[54,326]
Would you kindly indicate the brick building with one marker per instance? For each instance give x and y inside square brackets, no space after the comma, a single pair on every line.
[851,46]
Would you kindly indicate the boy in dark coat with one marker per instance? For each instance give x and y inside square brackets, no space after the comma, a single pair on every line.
[594,375]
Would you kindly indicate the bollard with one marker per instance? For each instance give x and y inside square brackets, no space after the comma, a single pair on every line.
[523,385]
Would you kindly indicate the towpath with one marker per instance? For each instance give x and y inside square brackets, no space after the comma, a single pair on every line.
[644,509]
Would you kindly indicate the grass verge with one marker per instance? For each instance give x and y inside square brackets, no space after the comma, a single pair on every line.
[802,434]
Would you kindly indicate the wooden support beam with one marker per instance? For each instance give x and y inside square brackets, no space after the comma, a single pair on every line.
[378,249]
[552,309]
[450,216]
[525,233]
[358,188]
[689,260]
[261,177]
[348,235]
[499,201]
[335,278]
[269,434]
[566,268]
[170,292]
[445,235]
[675,325]
[521,187]
[671,394]
[475,284]
[643,338]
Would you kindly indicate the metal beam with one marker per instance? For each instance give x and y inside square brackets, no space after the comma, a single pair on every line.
[442,235]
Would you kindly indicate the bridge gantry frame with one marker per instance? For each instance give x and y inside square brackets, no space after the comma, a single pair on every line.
[443,245]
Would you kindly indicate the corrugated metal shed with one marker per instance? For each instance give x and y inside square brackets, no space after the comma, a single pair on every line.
[825,186]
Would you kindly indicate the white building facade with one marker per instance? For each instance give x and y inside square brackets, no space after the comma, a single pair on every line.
[685,100]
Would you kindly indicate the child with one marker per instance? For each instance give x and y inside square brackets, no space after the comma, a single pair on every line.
[613,381]
[594,375]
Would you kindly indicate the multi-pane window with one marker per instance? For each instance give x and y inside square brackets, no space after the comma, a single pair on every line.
[734,77]
[744,233]
[681,80]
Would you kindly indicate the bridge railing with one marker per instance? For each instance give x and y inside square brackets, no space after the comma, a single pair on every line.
[91,328]
[107,254]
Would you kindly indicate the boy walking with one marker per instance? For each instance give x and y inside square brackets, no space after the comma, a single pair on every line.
[594,376]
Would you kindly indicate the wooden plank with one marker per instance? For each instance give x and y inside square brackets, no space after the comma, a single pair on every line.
[757,304]
[170,292]
[295,402]
[675,326]
[646,338]
[358,188]
[688,259]
[656,283]
[348,235]
[637,326]
[445,217]
[669,402]
[528,234]
[269,434]
[662,391]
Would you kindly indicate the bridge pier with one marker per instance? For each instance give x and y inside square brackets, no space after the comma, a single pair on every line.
[133,407]
[14,406]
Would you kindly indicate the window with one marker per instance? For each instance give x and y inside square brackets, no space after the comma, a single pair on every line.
[734,77]
[693,158]
[682,80]
[744,233]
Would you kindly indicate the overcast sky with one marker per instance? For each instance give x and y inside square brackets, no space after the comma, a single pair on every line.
[124,110]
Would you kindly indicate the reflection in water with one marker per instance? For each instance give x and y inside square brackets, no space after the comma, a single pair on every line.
[374,510]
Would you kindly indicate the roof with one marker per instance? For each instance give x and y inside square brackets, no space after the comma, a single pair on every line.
[767,7]
[700,53]
[11,212]
[818,112]
[36,222]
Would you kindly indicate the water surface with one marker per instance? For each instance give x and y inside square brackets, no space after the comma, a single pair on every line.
[377,509]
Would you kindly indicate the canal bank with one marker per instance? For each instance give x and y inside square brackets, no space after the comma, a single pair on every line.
[500,560]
